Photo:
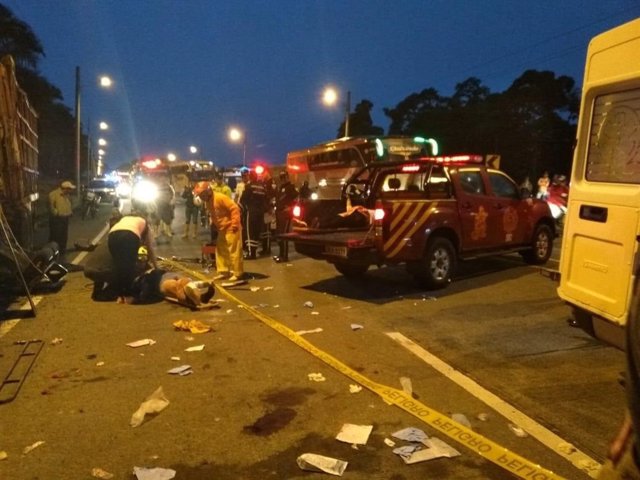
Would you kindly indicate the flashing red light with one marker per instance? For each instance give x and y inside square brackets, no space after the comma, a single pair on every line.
[297,211]
[460,158]
[259,170]
[411,168]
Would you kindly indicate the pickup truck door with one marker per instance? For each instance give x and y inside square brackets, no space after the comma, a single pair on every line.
[510,209]
[476,209]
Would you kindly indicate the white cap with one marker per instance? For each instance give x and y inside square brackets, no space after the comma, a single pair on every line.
[67,184]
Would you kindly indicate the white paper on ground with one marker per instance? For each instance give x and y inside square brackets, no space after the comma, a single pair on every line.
[142,473]
[141,343]
[320,463]
[354,434]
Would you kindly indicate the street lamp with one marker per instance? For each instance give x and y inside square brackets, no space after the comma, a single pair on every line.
[193,149]
[236,136]
[104,126]
[105,82]
[171,157]
[102,142]
[330,98]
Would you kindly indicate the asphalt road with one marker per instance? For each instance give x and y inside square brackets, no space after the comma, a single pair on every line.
[494,346]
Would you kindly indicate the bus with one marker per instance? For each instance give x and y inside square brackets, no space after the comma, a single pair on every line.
[600,259]
[327,166]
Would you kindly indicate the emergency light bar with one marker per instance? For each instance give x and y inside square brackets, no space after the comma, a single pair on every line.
[459,158]
[411,168]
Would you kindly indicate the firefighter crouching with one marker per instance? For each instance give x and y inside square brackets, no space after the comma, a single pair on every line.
[285,197]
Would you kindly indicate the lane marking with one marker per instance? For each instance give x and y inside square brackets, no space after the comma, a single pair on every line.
[8,324]
[504,458]
[78,258]
[560,446]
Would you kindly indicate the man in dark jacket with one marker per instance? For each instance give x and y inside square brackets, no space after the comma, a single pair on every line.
[254,204]
[285,198]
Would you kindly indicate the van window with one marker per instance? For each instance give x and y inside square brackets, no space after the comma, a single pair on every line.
[613,154]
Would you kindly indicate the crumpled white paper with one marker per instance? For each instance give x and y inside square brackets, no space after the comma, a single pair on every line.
[319,463]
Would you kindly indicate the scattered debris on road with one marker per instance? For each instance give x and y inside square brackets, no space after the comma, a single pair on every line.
[3,455]
[407,386]
[308,304]
[193,326]
[356,326]
[155,403]
[195,348]
[56,341]
[143,473]
[100,473]
[32,446]
[182,370]
[518,431]
[461,419]
[304,332]
[319,463]
[316,377]
[141,343]
[354,434]
[355,388]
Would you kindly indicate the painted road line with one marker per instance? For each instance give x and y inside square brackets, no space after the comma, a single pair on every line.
[563,448]
[504,458]
[7,325]
[78,258]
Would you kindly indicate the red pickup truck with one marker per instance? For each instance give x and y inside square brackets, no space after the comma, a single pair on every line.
[427,213]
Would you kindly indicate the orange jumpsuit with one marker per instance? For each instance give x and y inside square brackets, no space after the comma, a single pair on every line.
[225,215]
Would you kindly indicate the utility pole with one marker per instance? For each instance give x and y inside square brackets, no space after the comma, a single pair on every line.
[347,114]
[78,132]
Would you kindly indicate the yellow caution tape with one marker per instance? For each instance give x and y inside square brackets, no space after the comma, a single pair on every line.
[504,458]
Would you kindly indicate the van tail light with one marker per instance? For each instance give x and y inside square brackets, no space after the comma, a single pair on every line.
[297,211]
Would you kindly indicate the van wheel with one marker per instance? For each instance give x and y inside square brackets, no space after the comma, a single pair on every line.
[541,246]
[437,266]
[351,270]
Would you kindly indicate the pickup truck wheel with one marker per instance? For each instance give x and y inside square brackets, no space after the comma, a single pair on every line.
[351,270]
[541,246]
[439,262]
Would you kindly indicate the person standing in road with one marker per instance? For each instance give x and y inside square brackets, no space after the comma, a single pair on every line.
[60,212]
[254,204]
[165,205]
[543,186]
[220,187]
[191,212]
[285,197]
[124,240]
[225,216]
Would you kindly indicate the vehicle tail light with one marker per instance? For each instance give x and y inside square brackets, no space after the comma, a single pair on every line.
[378,213]
[297,211]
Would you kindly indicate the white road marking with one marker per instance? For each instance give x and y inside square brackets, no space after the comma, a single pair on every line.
[560,446]
[78,258]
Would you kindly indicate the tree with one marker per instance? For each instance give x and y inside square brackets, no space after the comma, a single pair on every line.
[360,122]
[18,40]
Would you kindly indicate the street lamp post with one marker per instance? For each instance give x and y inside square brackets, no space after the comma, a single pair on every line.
[78,132]
[330,97]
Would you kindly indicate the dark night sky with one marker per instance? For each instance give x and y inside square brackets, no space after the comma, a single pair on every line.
[186,70]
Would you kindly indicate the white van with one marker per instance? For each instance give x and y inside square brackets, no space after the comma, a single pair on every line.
[599,258]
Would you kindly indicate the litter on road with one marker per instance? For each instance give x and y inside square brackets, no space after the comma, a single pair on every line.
[308,304]
[304,332]
[518,431]
[195,348]
[316,377]
[410,434]
[32,446]
[356,326]
[141,343]
[319,463]
[435,448]
[181,370]
[461,419]
[3,455]
[354,434]
[155,403]
[193,326]
[100,473]
[143,473]
[56,341]
[353,388]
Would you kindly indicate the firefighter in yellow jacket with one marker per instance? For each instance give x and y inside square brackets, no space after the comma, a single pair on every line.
[224,214]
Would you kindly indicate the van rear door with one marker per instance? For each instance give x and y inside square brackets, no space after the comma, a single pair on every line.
[600,242]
